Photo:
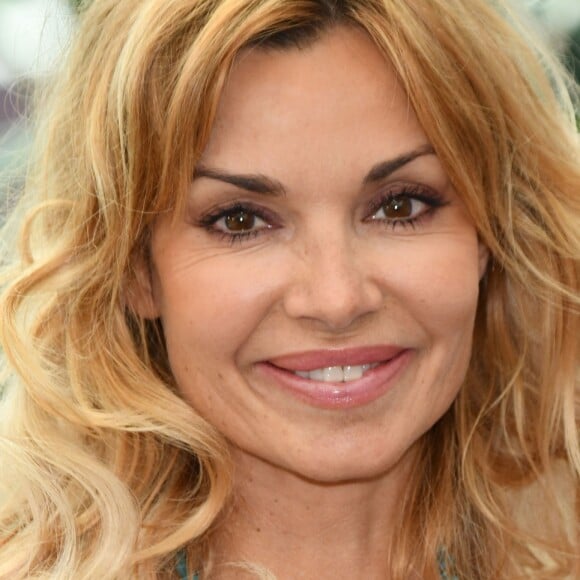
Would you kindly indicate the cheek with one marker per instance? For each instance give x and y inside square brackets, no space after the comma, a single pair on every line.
[443,300]
[439,283]
[210,307]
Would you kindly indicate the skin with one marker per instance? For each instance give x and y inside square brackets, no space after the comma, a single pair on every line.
[322,271]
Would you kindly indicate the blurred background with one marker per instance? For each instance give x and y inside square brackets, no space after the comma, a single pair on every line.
[35,33]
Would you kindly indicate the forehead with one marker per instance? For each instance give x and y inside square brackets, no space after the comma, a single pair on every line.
[337,101]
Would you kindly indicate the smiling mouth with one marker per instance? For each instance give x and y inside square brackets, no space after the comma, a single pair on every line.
[336,374]
[339,379]
[342,365]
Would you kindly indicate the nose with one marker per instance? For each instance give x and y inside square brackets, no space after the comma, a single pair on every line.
[334,282]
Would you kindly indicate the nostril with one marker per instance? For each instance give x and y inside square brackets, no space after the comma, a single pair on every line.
[333,297]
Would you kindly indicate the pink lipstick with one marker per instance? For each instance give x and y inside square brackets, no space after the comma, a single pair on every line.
[338,378]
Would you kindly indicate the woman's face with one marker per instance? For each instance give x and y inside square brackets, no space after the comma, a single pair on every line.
[318,296]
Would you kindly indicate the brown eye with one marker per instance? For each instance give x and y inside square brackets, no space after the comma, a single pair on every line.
[403,209]
[398,208]
[239,221]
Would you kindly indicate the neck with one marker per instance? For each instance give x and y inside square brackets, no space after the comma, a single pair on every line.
[299,528]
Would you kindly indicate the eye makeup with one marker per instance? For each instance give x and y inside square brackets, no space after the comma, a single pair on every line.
[400,206]
[404,206]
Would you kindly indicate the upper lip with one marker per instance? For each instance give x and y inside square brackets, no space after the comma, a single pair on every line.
[316,359]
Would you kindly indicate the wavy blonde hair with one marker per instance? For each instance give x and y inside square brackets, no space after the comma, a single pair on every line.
[106,472]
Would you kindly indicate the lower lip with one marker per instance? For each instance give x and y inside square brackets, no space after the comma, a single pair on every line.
[344,395]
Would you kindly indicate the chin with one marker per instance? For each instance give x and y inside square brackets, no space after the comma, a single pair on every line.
[352,465]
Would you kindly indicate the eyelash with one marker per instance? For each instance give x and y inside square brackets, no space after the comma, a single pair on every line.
[209,221]
[431,199]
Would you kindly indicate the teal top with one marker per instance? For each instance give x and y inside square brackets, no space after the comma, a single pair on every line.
[182,569]
[443,570]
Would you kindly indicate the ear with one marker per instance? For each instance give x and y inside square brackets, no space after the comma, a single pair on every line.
[140,294]
[483,255]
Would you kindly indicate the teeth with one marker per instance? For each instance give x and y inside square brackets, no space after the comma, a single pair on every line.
[336,374]
[353,373]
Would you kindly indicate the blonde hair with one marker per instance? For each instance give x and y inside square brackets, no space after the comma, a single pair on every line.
[106,471]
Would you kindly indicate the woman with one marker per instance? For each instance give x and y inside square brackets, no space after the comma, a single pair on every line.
[296,297]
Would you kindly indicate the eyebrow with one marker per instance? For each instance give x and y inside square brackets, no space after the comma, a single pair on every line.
[264,185]
[383,169]
[255,182]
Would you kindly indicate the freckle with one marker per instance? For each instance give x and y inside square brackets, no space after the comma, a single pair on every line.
[276,500]
[258,530]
